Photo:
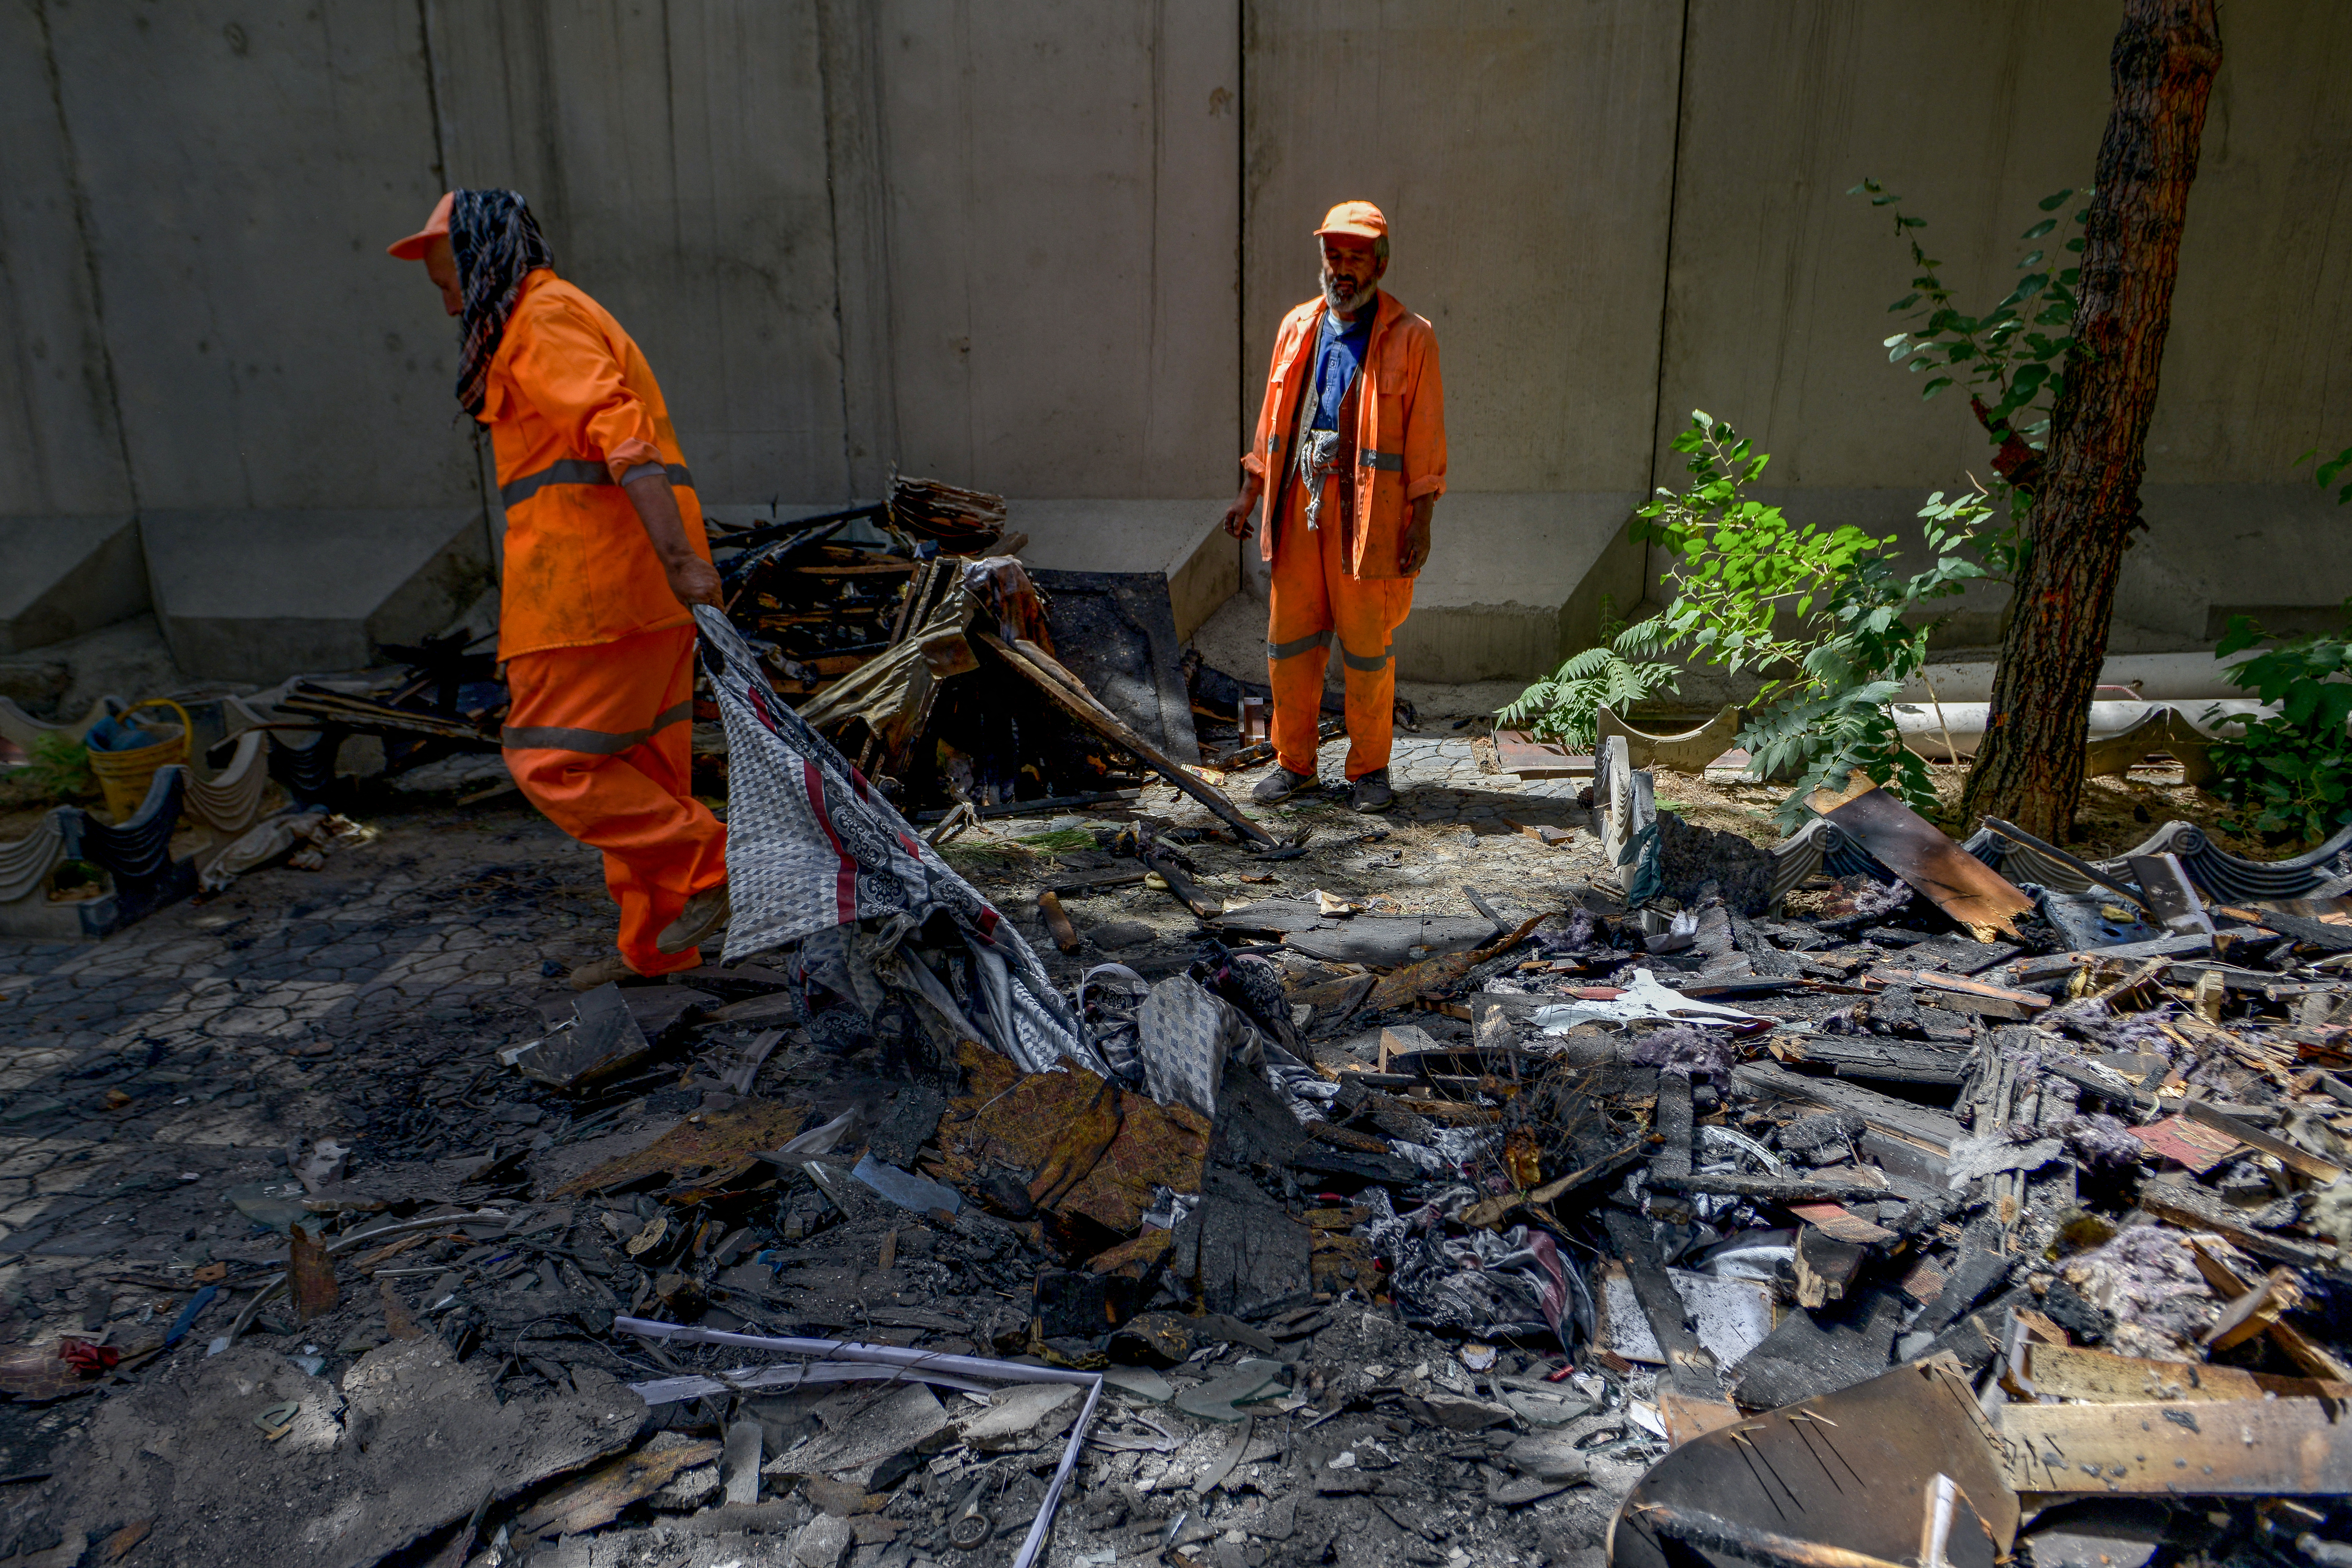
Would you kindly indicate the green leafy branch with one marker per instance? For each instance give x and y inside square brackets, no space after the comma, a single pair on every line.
[1822,614]
[2011,359]
[2328,470]
[1839,720]
[59,767]
[1748,579]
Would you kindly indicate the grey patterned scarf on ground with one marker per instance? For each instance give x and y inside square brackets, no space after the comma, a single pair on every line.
[814,856]
[496,243]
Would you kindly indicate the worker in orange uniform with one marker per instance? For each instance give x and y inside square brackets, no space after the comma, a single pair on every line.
[604,556]
[1352,431]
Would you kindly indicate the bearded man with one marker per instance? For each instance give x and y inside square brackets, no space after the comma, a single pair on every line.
[604,556]
[1352,434]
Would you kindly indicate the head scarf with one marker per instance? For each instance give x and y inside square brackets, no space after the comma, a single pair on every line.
[496,242]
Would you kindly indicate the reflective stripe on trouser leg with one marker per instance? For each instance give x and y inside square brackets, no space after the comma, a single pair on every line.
[1365,613]
[1297,632]
[1368,612]
[661,845]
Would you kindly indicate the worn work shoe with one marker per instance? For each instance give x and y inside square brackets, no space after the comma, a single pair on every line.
[601,972]
[705,912]
[1280,785]
[1371,792]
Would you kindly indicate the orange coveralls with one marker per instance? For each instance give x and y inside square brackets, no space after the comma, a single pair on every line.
[1342,579]
[599,653]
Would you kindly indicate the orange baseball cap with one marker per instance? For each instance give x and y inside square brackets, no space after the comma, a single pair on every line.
[414,247]
[1361,219]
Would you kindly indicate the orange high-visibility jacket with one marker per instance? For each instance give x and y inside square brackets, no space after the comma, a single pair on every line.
[1399,428]
[572,407]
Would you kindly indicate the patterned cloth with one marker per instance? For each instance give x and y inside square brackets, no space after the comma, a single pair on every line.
[1480,1284]
[496,243]
[1187,1036]
[1173,1040]
[815,857]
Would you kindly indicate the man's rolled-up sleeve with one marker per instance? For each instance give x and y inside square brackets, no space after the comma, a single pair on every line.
[1425,426]
[1255,458]
[567,370]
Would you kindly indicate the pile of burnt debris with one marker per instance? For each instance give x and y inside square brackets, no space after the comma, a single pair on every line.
[962,682]
[960,679]
[1873,1199]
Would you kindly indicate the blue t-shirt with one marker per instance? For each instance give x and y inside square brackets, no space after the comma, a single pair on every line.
[1339,356]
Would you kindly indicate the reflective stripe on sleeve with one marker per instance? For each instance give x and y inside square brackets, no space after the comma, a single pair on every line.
[579,472]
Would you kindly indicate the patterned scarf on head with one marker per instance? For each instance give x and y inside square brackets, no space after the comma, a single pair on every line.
[496,242]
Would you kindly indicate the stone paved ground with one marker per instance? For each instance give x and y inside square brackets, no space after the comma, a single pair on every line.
[143,1075]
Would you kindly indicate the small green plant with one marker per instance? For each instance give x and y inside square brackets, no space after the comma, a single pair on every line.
[1748,579]
[1841,721]
[1566,706]
[1058,838]
[2291,773]
[1822,615]
[60,768]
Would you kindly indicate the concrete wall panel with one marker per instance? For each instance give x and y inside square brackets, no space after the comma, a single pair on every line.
[61,450]
[1042,245]
[675,157]
[1779,281]
[241,164]
[1059,226]
[2255,371]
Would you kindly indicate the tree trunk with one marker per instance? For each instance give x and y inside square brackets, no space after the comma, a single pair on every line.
[2029,768]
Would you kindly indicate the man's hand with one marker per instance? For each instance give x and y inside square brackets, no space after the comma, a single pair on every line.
[694,580]
[1413,549]
[691,578]
[1238,516]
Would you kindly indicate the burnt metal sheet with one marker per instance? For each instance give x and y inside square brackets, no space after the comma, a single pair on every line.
[2171,896]
[1116,632]
[1382,942]
[1980,898]
[1385,941]
[1861,1476]
[2248,1448]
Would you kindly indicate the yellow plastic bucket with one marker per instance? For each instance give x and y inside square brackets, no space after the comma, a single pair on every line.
[125,776]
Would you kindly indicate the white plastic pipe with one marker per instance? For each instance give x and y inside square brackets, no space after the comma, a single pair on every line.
[2174,677]
[1924,724]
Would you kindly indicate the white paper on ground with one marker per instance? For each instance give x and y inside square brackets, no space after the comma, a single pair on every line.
[1644,999]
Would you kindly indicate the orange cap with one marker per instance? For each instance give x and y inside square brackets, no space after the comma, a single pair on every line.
[1361,219]
[414,247]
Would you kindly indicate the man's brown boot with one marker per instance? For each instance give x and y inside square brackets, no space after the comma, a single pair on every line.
[705,912]
[1280,785]
[601,972]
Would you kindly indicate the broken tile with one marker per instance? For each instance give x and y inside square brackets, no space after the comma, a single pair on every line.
[1021,1415]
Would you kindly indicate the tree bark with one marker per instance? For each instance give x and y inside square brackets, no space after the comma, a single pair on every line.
[2029,768]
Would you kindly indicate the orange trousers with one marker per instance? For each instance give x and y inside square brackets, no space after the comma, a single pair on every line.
[1314,603]
[598,737]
